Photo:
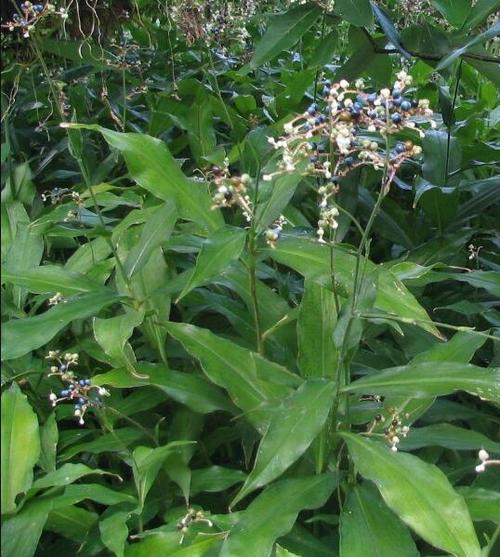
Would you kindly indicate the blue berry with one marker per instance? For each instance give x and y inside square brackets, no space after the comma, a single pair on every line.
[64,392]
[81,400]
[406,105]
[397,102]
[81,382]
[372,97]
[414,103]
[396,118]
[400,148]
[360,100]
[63,367]
[326,91]
[372,114]
[87,382]
[327,83]
[349,161]
[334,179]
[312,109]
[77,406]
[321,148]
[322,118]
[396,93]
[307,127]
[313,159]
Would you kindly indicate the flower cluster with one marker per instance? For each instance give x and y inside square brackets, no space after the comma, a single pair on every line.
[191,516]
[31,15]
[351,129]
[81,392]
[485,459]
[57,298]
[231,190]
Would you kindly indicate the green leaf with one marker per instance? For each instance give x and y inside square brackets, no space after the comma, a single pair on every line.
[217,252]
[455,11]
[479,13]
[282,552]
[357,12]
[424,380]
[114,532]
[157,230]
[49,279]
[435,146]
[484,504]
[448,436]
[273,513]
[113,333]
[65,475]
[389,29]
[293,427]
[200,129]
[49,436]
[116,441]
[490,33]
[419,493]
[147,463]
[167,543]
[20,446]
[20,336]
[215,479]
[20,534]
[312,260]
[250,379]
[187,388]
[152,166]
[283,32]
[317,352]
[366,522]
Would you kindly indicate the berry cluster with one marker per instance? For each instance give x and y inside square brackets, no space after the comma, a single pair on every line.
[31,15]
[273,233]
[81,392]
[231,190]
[395,430]
[352,129]
[191,516]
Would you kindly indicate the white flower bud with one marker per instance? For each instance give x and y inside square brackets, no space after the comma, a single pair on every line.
[480,468]
[483,455]
[52,397]
[344,84]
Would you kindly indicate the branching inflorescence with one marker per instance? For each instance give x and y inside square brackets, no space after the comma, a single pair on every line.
[350,130]
[81,391]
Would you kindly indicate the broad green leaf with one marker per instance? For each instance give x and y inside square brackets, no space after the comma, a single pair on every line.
[484,504]
[357,12]
[20,336]
[20,533]
[389,29]
[424,380]
[217,252]
[147,463]
[190,389]
[154,169]
[489,280]
[282,552]
[448,436]
[317,352]
[115,441]
[366,522]
[493,31]
[114,532]
[201,131]
[157,230]
[479,13]
[49,436]
[293,427]
[273,513]
[455,11]
[435,146]
[49,279]
[167,543]
[73,523]
[65,475]
[113,333]
[461,347]
[215,479]
[20,447]
[312,260]
[283,32]
[419,493]
[250,379]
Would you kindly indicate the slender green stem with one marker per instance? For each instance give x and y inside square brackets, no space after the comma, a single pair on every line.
[448,140]
[252,270]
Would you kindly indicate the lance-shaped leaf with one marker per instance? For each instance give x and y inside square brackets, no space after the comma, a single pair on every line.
[366,522]
[274,512]
[283,32]
[292,429]
[20,336]
[217,252]
[152,166]
[419,493]
[357,12]
[388,28]
[20,446]
[251,380]
[424,380]
[312,260]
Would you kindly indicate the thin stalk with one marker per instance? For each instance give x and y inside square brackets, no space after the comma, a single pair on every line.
[448,140]
[252,271]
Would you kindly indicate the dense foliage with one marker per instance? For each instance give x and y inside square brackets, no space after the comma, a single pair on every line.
[250,279]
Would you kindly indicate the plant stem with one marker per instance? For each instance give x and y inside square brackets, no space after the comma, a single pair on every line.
[252,269]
